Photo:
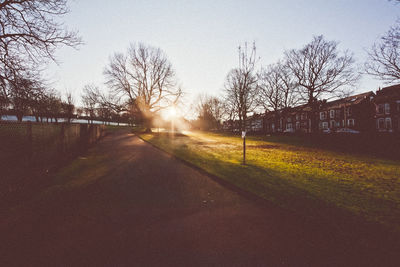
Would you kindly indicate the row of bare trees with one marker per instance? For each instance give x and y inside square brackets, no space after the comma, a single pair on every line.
[101,107]
[27,99]
[304,75]
[30,32]
[142,82]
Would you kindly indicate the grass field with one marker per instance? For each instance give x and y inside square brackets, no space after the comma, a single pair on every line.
[294,176]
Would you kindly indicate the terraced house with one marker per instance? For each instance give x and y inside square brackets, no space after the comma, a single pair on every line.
[353,112]
[387,105]
[366,112]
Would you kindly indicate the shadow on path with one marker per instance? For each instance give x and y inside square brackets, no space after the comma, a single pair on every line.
[126,203]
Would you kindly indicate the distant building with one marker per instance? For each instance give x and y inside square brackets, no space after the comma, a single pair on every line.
[254,124]
[231,126]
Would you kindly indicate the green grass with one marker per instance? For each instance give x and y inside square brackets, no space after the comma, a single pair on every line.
[294,176]
[113,128]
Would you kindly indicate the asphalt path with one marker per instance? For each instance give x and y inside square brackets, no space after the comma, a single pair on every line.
[134,205]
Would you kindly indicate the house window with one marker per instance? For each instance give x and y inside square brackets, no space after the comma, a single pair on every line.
[289,126]
[381,108]
[297,117]
[350,122]
[303,116]
[338,124]
[348,111]
[297,125]
[380,123]
[322,115]
[388,123]
[289,119]
[387,108]
[324,125]
[332,113]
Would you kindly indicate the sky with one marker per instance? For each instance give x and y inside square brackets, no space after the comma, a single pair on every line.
[200,38]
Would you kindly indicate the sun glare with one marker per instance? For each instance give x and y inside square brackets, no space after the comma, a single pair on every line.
[170,113]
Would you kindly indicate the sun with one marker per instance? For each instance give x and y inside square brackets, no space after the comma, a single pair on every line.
[169,113]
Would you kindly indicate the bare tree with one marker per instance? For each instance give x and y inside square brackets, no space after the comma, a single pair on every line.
[68,107]
[54,106]
[241,85]
[270,88]
[30,31]
[320,70]
[23,92]
[39,103]
[277,89]
[210,111]
[289,87]
[384,57]
[4,102]
[144,76]
[90,100]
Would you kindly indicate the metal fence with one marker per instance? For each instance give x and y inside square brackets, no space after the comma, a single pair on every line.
[28,149]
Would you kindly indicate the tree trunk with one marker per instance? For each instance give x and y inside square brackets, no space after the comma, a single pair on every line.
[313,115]
[19,117]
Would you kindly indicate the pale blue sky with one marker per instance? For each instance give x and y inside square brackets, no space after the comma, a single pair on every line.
[201,37]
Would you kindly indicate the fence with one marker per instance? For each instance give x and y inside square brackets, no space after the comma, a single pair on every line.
[28,149]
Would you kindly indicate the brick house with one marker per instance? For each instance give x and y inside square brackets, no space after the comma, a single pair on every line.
[366,112]
[301,119]
[387,104]
[274,122]
[353,112]
[269,122]
[289,120]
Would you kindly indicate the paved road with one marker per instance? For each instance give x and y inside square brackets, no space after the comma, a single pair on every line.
[126,203]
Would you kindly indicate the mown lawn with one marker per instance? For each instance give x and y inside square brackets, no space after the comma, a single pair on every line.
[294,176]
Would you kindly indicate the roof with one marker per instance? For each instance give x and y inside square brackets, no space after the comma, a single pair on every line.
[391,89]
[352,100]
[305,108]
[388,93]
